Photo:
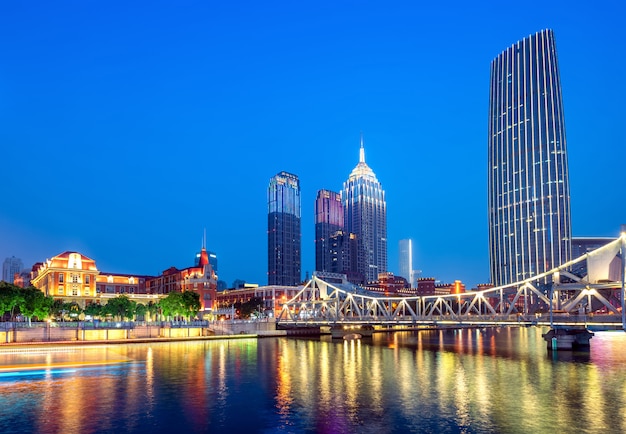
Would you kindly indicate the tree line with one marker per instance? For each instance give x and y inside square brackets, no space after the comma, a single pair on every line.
[32,304]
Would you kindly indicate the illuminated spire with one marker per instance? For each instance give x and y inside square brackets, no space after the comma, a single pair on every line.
[362,151]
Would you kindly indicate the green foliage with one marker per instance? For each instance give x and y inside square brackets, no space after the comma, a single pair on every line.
[65,311]
[10,297]
[120,307]
[192,303]
[185,304]
[246,309]
[34,303]
[141,310]
[94,309]
[172,304]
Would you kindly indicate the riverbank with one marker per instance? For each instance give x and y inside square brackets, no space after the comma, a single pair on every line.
[12,346]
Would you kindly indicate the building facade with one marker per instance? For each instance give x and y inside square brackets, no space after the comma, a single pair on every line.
[73,277]
[529,195]
[405,259]
[284,230]
[365,211]
[10,267]
[328,220]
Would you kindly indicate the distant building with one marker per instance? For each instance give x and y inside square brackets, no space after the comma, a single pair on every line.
[389,284]
[457,287]
[22,279]
[365,211]
[10,268]
[584,245]
[529,194]
[272,297]
[344,256]
[328,220]
[73,277]
[425,286]
[405,259]
[284,230]
[200,279]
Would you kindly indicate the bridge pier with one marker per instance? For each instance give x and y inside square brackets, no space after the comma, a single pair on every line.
[567,339]
[338,332]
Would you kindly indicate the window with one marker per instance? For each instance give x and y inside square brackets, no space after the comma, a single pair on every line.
[87,279]
[60,277]
[60,290]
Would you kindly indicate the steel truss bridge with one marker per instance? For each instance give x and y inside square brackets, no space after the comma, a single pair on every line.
[585,292]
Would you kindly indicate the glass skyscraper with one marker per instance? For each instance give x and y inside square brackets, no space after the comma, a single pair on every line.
[328,220]
[529,197]
[366,216]
[405,259]
[283,230]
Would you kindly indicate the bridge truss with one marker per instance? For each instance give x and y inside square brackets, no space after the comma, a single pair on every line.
[589,288]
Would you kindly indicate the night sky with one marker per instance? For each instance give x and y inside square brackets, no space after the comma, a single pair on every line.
[128,128]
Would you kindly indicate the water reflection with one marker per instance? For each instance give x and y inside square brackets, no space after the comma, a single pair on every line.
[491,380]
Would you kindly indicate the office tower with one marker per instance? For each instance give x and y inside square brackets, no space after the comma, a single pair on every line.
[366,216]
[405,259]
[328,220]
[529,198]
[283,230]
[10,267]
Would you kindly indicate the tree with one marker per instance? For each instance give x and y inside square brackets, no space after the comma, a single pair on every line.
[191,303]
[141,310]
[94,309]
[153,309]
[10,297]
[34,303]
[246,309]
[172,305]
[120,307]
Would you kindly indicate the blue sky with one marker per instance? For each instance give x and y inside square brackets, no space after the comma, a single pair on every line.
[127,128]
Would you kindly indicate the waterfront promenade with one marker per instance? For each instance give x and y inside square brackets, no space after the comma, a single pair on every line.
[77,333]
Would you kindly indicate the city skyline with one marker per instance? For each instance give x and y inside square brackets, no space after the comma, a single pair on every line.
[128,129]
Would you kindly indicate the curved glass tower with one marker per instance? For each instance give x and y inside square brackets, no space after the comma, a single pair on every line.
[529,198]
[366,216]
[283,230]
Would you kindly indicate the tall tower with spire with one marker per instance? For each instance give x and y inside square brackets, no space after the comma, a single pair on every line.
[365,211]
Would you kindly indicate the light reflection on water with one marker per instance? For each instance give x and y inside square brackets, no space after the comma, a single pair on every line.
[493,380]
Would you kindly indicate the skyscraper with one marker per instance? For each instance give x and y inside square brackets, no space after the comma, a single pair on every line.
[405,259]
[328,220]
[529,198]
[283,230]
[366,216]
[10,267]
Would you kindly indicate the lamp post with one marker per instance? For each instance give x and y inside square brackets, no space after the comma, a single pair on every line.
[623,251]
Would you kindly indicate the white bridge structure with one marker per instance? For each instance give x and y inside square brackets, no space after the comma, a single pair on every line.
[587,293]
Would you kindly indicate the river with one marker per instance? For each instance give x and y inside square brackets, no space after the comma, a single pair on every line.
[465,381]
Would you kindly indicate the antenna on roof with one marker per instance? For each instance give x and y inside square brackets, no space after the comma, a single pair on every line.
[361,151]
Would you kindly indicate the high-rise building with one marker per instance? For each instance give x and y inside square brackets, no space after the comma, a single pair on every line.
[283,230]
[366,216]
[10,267]
[529,197]
[328,220]
[405,259]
